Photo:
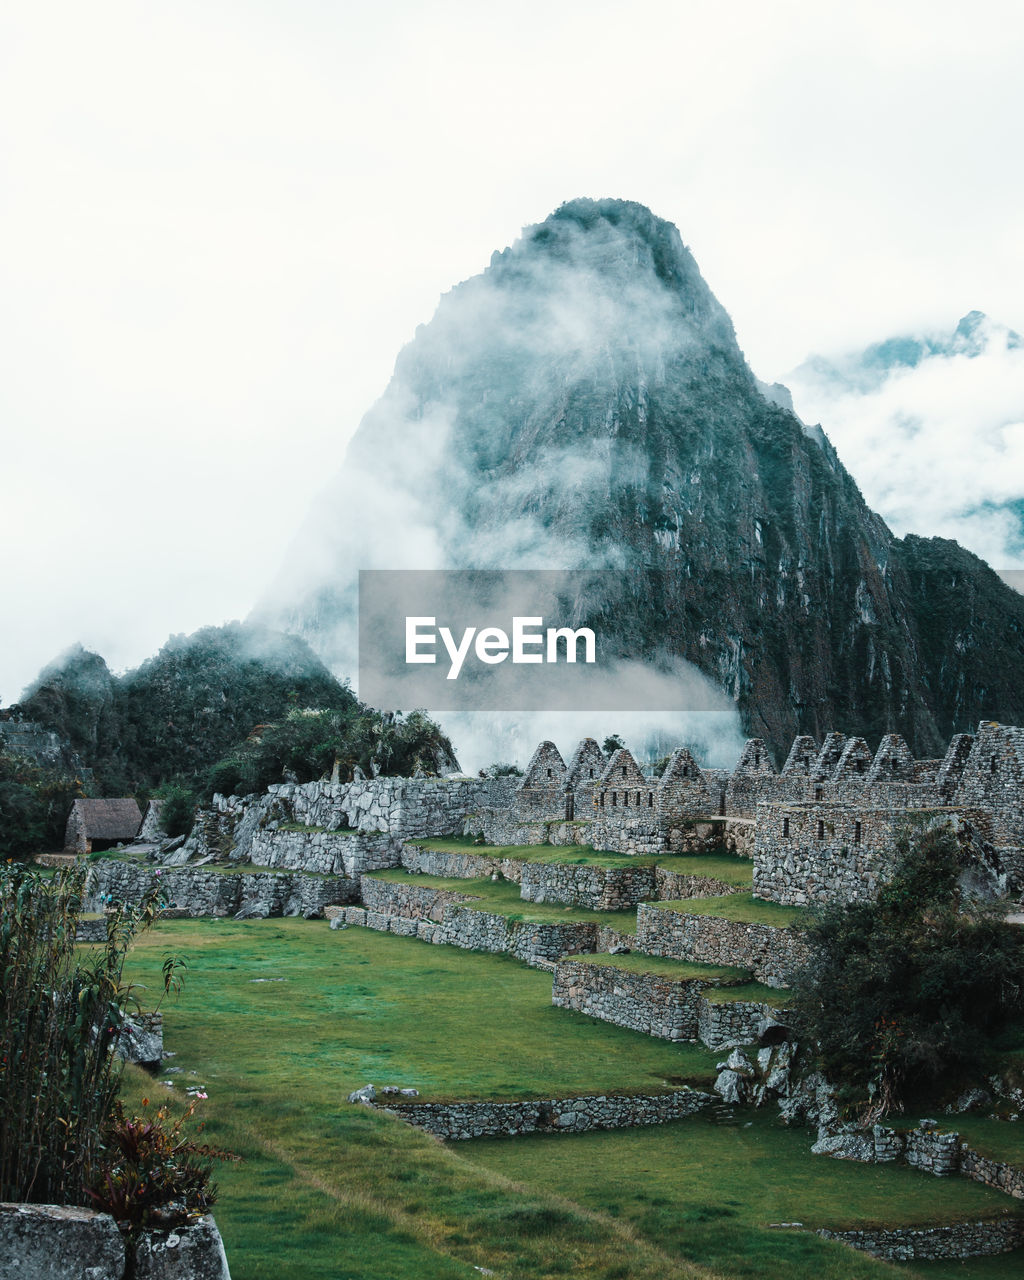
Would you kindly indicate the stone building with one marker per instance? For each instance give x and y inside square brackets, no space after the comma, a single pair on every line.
[100,824]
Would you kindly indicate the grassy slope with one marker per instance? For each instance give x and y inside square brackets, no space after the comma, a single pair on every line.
[740,907]
[352,1195]
[722,866]
[502,897]
[681,970]
[281,1019]
[709,1192]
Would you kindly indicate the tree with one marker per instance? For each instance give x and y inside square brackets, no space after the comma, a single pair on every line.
[34,805]
[309,744]
[612,744]
[907,995]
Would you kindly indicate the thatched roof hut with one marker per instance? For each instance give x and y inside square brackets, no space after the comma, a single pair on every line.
[98,824]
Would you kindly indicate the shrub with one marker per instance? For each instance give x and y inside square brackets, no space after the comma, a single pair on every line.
[150,1173]
[908,995]
[61,1013]
[501,770]
[177,808]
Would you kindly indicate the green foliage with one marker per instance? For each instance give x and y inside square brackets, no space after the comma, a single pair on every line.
[34,806]
[309,744]
[909,993]
[657,1203]
[177,808]
[501,770]
[149,1172]
[611,744]
[173,717]
[61,1013]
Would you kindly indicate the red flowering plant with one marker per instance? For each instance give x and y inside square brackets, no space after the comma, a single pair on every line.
[149,1172]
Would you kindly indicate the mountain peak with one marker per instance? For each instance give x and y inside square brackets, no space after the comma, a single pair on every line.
[583,404]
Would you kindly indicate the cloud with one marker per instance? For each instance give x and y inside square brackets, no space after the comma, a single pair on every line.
[937,448]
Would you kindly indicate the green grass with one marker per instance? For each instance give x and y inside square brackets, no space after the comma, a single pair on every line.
[741,907]
[682,970]
[997,1139]
[710,1192]
[575,854]
[755,992]
[502,898]
[346,1192]
[727,867]
[280,1019]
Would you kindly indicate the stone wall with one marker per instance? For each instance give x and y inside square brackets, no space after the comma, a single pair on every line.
[338,853]
[458,1121]
[60,1242]
[399,807]
[212,893]
[993,779]
[453,865]
[923,1244]
[647,1002]
[413,901]
[539,945]
[596,888]
[824,853]
[635,831]
[770,953]
[578,884]
[726,1024]
[712,835]
[1008,1178]
[675,885]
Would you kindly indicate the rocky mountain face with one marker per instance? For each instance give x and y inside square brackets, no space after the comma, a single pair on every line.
[583,403]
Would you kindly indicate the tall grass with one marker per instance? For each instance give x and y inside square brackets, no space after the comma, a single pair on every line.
[61,1012]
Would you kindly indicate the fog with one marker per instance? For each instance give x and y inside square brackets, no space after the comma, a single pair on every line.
[219,223]
[937,448]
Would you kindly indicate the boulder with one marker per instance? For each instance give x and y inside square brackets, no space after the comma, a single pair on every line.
[58,1242]
[193,1252]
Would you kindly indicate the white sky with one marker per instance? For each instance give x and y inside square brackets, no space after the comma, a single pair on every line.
[220,221]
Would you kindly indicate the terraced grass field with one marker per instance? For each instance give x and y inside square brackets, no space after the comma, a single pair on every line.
[741,907]
[281,1019]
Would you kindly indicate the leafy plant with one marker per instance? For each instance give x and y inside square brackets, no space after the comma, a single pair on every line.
[62,1012]
[309,744]
[907,995]
[149,1173]
[501,769]
[177,808]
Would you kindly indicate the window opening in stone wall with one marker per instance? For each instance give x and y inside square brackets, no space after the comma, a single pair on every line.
[623,770]
[650,799]
[785,826]
[821,830]
[615,799]
[817,793]
[856,833]
[625,799]
[994,766]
